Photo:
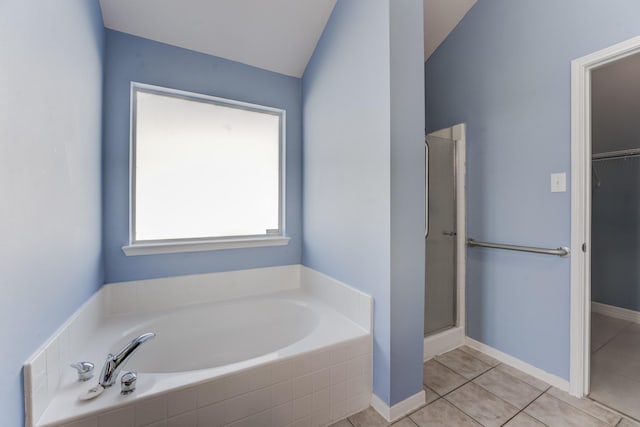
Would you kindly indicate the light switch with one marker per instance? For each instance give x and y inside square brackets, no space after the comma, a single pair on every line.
[558,182]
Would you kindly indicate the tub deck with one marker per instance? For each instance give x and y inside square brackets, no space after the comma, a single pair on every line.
[327,347]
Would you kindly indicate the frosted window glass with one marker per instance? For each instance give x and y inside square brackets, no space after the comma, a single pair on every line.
[204,170]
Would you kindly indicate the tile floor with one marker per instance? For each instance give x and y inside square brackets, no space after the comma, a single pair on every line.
[615,364]
[467,388]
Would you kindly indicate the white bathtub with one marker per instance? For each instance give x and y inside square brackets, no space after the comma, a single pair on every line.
[298,353]
[223,333]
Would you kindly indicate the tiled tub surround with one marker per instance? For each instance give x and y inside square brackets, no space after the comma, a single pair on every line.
[309,362]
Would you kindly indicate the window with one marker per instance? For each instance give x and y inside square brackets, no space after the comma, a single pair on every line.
[206,173]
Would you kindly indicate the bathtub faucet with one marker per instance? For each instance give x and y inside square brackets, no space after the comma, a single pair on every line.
[115,363]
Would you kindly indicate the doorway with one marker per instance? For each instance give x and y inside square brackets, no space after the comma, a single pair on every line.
[444,240]
[605,313]
[440,242]
[615,221]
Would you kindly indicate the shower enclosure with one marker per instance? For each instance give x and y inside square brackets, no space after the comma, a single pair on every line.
[440,239]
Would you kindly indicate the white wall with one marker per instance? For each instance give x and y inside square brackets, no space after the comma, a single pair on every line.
[50,142]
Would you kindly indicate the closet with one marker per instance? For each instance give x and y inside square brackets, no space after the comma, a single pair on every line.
[615,235]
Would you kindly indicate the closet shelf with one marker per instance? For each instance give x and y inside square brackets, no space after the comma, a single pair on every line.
[612,155]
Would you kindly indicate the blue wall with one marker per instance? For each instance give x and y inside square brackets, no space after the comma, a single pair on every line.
[505,71]
[615,233]
[50,137]
[355,104]
[346,112]
[130,58]
[407,197]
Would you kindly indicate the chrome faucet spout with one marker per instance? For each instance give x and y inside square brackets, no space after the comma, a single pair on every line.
[115,363]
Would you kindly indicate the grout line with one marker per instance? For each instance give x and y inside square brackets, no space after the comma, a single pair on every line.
[529,404]
[544,390]
[541,392]
[471,380]
[459,374]
[499,398]
[426,386]
[422,407]
[470,355]
[406,417]
[629,323]
[460,409]
[607,342]
[461,385]
[574,407]
[613,410]
[456,388]
[477,358]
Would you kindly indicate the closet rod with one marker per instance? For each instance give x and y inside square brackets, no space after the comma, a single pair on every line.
[561,252]
[612,155]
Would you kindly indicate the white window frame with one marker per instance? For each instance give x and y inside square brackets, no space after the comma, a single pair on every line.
[146,247]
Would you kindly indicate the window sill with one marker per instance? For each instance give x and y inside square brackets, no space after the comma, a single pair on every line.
[212,245]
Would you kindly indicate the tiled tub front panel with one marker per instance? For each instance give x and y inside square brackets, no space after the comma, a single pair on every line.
[314,389]
[43,372]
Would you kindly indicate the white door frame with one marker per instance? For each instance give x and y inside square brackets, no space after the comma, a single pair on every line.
[581,208]
[454,337]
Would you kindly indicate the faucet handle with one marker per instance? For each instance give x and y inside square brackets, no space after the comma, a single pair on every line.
[85,370]
[128,382]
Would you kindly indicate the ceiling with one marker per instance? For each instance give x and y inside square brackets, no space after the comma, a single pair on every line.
[440,18]
[276,35]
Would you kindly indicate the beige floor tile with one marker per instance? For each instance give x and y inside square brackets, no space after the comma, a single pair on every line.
[405,422]
[621,354]
[480,356]
[615,391]
[628,423]
[368,418]
[586,405]
[556,413]
[484,407]
[540,385]
[508,388]
[523,420]
[615,366]
[463,363]
[603,329]
[341,423]
[439,378]
[442,414]
[430,395]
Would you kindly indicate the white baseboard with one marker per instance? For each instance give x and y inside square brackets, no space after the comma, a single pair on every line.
[438,344]
[538,373]
[616,312]
[400,409]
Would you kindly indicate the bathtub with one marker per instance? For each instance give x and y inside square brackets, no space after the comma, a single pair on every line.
[282,346]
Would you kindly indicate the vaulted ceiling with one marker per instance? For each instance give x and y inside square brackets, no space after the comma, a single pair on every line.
[276,35]
[440,18]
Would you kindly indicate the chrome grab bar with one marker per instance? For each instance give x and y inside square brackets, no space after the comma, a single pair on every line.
[561,252]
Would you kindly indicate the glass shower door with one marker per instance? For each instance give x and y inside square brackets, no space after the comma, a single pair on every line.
[440,241]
